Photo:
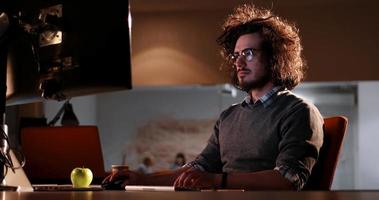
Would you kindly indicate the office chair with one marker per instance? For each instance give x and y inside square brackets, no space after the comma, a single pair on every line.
[324,170]
[52,152]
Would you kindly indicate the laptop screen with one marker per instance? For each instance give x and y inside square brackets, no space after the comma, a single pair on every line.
[53,152]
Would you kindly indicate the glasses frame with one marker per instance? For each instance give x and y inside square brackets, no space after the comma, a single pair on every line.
[248,55]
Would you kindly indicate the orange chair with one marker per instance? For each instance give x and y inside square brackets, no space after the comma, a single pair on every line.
[323,172]
[52,152]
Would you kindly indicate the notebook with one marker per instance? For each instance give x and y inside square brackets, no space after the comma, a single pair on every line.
[145,188]
[149,188]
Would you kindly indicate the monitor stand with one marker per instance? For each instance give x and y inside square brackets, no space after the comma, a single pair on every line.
[4,146]
[16,180]
[4,157]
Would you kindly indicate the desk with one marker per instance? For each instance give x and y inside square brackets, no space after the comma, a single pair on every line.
[261,195]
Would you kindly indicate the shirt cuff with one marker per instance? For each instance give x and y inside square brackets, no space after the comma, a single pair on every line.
[195,166]
[292,175]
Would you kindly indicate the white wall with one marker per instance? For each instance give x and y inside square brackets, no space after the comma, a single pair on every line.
[85,108]
[121,113]
[367,176]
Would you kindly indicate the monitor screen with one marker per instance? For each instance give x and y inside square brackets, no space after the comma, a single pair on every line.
[61,49]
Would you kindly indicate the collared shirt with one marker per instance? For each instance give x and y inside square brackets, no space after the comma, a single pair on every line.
[263,99]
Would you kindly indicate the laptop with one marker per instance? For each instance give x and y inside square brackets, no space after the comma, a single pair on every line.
[53,152]
[64,187]
[18,181]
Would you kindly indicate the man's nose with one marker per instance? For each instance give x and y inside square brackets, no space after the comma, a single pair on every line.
[240,62]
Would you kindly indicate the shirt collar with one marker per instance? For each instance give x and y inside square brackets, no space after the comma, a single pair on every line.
[265,99]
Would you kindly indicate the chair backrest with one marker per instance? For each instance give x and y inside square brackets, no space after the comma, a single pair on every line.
[323,172]
[52,152]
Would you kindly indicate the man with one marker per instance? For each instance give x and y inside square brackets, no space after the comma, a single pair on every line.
[271,140]
[146,167]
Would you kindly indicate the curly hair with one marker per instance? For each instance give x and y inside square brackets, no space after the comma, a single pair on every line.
[281,43]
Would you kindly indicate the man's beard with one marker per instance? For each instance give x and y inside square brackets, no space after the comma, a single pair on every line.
[247,86]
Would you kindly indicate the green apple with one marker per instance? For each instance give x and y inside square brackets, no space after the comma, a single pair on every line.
[81,177]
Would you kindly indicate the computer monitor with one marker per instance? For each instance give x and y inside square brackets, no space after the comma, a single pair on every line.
[61,49]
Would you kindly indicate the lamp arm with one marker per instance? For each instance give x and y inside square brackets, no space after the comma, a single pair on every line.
[59,114]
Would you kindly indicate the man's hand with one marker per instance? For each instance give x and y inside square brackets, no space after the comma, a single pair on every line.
[197,179]
[118,181]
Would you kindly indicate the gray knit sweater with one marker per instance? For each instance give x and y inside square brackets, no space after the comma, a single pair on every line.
[285,133]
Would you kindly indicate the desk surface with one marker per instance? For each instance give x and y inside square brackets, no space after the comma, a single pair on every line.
[261,195]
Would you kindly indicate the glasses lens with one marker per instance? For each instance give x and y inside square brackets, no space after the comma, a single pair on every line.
[248,54]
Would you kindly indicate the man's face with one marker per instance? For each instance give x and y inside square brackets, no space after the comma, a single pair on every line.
[250,62]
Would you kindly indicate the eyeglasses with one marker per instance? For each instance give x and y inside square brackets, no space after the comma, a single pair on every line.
[248,54]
